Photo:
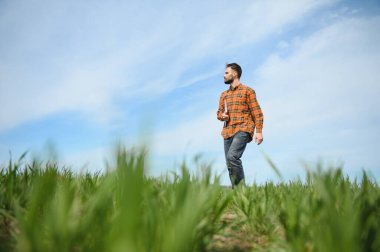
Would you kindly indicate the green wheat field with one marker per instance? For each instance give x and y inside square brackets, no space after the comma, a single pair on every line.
[45,207]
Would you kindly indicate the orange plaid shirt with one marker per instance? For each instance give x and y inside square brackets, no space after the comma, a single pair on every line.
[243,109]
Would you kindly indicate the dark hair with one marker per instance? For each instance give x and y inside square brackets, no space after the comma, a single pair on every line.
[235,67]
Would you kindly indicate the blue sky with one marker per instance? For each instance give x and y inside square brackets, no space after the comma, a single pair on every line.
[85,75]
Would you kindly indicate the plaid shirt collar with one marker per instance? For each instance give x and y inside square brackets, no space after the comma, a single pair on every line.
[237,87]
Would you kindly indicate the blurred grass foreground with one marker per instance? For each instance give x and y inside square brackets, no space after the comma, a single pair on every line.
[44,207]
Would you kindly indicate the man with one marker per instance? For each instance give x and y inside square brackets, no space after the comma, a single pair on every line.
[241,113]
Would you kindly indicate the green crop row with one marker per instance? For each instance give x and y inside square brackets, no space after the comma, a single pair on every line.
[44,207]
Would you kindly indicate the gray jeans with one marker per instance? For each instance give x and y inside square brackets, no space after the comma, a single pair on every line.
[233,150]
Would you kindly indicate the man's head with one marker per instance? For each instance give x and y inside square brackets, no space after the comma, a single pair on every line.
[233,71]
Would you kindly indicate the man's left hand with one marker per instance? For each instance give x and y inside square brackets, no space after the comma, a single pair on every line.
[258,138]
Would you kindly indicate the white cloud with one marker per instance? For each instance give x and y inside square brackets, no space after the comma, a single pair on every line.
[262,18]
[329,85]
[92,160]
[332,73]
[74,57]
[192,136]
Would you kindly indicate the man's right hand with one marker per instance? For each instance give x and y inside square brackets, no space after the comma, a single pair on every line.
[225,116]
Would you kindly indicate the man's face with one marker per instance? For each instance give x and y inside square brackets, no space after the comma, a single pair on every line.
[229,75]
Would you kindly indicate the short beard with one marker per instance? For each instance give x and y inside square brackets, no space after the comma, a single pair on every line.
[228,81]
